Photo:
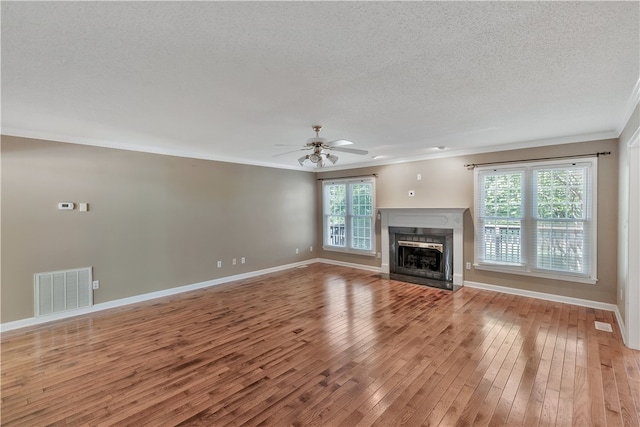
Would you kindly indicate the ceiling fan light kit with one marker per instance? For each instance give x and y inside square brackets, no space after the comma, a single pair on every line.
[318,159]
[321,149]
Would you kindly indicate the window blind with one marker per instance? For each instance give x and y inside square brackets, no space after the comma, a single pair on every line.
[561,218]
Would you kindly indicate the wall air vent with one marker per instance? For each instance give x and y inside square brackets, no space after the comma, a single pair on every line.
[61,291]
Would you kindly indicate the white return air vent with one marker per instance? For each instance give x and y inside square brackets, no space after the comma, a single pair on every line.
[61,291]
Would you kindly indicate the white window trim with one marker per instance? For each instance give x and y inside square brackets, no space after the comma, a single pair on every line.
[348,250]
[526,270]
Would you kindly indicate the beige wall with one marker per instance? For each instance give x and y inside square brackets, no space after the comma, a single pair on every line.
[155,222]
[446,183]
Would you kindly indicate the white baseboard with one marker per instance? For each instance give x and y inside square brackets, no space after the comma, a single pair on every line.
[33,321]
[350,264]
[551,297]
[621,325]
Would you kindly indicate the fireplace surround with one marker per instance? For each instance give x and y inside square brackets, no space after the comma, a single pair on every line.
[423,245]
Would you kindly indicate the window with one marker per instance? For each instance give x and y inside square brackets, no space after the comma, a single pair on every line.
[348,207]
[538,219]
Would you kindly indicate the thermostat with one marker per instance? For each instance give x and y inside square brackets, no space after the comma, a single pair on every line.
[65,206]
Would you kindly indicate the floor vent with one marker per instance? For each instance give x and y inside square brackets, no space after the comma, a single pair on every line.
[61,291]
[601,326]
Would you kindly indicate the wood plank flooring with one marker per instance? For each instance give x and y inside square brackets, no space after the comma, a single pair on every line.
[324,345]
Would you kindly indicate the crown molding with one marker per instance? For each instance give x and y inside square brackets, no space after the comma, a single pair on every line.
[382,162]
[141,149]
[632,103]
[571,139]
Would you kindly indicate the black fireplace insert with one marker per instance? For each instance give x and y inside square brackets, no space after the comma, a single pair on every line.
[422,255]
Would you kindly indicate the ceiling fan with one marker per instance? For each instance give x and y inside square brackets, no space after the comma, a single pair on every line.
[321,149]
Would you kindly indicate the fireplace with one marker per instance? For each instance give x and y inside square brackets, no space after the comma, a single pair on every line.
[423,246]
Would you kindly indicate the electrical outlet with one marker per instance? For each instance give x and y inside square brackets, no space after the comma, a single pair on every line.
[297,251]
[242,260]
[468,266]
[378,255]
[219,264]
[419,177]
[233,261]
[95,284]
[310,248]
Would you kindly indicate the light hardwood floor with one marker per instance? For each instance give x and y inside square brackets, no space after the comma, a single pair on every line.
[324,345]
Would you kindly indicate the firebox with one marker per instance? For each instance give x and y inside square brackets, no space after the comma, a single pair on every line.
[422,255]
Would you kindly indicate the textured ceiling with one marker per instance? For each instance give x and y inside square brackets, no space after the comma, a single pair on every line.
[231,80]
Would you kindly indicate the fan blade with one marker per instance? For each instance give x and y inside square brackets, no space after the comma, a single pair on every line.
[289,152]
[339,142]
[350,150]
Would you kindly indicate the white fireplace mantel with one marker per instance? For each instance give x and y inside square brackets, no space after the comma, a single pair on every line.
[447,218]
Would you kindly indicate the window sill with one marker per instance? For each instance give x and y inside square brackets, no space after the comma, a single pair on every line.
[539,274]
[348,251]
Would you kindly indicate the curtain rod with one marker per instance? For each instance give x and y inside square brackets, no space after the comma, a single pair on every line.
[475,165]
[347,177]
